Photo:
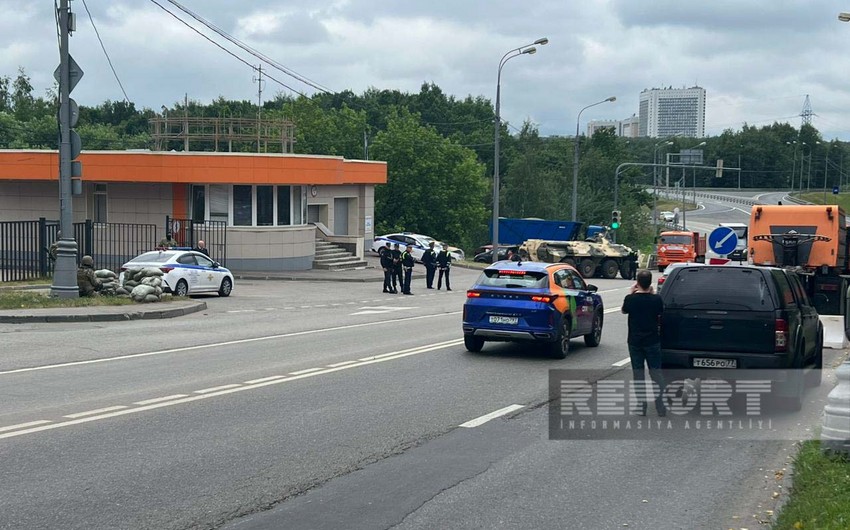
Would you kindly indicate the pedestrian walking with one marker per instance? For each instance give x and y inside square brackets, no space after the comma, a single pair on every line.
[407,263]
[429,259]
[644,308]
[444,263]
[398,279]
[387,266]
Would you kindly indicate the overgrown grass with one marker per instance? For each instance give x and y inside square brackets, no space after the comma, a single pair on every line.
[842,199]
[820,496]
[665,205]
[34,281]
[38,300]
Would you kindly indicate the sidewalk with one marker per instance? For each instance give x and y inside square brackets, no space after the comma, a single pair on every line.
[106,313]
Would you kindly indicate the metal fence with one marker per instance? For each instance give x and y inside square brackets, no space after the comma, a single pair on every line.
[187,233]
[24,245]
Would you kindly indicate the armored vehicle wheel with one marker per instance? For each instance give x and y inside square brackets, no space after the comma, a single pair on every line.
[626,270]
[569,261]
[587,268]
[609,269]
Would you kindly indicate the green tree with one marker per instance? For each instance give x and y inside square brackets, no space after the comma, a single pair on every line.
[434,186]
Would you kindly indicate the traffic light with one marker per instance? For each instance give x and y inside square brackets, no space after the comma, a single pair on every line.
[615,219]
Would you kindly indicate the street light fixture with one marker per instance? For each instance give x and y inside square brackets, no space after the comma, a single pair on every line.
[575,157]
[655,182]
[528,49]
[844,17]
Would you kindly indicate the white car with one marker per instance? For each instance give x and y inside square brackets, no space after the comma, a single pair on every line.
[667,216]
[185,272]
[418,243]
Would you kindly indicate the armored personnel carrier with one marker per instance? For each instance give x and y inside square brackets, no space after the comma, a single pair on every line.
[594,256]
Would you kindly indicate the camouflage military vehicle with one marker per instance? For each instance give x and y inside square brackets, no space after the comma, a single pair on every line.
[592,257]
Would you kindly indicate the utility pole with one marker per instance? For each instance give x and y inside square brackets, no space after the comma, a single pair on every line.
[259,80]
[68,74]
[186,122]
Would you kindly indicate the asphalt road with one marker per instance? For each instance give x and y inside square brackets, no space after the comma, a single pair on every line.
[328,405]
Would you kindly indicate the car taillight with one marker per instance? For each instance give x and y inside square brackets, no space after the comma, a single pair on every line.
[473,294]
[166,270]
[661,280]
[546,299]
[780,335]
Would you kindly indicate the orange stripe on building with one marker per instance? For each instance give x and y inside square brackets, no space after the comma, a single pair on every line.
[189,168]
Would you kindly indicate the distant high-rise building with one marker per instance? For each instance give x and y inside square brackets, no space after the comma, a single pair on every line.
[627,128]
[667,112]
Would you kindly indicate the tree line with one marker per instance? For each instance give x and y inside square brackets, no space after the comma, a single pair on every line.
[439,151]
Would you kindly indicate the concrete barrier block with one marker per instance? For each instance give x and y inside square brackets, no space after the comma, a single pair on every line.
[833,332]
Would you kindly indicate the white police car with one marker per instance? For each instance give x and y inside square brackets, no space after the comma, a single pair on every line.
[418,243]
[185,272]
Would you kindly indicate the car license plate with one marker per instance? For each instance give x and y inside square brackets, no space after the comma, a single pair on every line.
[715,363]
[504,320]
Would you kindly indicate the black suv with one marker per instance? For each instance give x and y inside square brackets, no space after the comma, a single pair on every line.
[739,317]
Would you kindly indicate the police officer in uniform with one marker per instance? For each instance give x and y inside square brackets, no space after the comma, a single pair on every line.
[407,262]
[429,259]
[87,281]
[444,262]
[387,265]
[398,279]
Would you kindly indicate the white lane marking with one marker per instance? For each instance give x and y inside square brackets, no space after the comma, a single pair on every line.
[321,305]
[307,371]
[216,388]
[225,343]
[487,417]
[612,310]
[159,399]
[305,307]
[289,308]
[446,343]
[380,309]
[263,379]
[239,388]
[624,362]
[96,411]
[24,425]
[617,289]
[334,365]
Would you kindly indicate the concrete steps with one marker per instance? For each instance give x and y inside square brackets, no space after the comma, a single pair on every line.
[335,258]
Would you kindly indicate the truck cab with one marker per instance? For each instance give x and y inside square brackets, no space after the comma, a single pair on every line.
[679,246]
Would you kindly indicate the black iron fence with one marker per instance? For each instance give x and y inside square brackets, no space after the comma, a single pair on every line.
[187,233]
[25,245]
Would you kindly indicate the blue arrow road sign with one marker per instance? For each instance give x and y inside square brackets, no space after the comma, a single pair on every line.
[722,240]
[835,190]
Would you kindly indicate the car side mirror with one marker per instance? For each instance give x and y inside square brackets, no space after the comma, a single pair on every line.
[216,265]
[592,288]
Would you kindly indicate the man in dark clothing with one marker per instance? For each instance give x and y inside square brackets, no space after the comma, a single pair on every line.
[644,308]
[407,262]
[429,259]
[444,262]
[398,280]
[387,265]
[202,248]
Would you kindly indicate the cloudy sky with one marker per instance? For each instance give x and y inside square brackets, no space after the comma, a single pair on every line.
[757,59]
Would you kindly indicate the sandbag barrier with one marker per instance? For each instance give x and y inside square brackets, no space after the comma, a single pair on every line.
[143,285]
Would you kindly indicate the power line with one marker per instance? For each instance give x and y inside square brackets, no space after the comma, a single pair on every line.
[251,50]
[281,83]
[127,99]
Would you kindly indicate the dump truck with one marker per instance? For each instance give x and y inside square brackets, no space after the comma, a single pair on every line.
[516,231]
[678,246]
[595,255]
[812,239]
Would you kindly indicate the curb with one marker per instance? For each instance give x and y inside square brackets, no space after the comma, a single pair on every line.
[106,317]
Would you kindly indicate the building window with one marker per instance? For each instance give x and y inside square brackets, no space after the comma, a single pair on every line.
[284,205]
[99,209]
[243,211]
[298,205]
[219,202]
[199,210]
[265,205]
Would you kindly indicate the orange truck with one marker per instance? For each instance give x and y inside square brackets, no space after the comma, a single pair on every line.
[679,246]
[812,239]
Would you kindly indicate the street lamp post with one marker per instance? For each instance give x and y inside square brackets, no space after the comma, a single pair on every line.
[527,49]
[576,156]
[684,185]
[655,183]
